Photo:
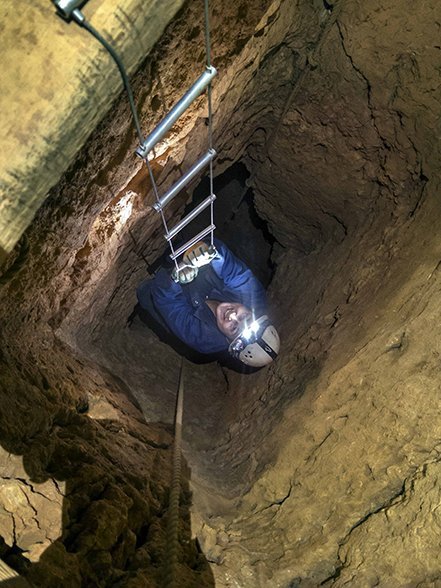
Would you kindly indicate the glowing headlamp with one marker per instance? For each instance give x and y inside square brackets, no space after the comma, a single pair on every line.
[250,334]
[251,330]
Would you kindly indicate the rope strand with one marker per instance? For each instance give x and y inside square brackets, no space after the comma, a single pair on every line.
[171,558]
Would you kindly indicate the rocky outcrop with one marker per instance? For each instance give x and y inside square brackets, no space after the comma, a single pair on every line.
[84,484]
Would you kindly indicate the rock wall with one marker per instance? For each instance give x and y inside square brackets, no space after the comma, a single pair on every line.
[321,469]
[348,429]
[84,481]
[57,84]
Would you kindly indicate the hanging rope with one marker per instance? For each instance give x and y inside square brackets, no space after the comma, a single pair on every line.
[210,109]
[172,546]
[310,64]
[86,25]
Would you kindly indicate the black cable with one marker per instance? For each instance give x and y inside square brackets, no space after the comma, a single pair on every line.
[122,71]
[207,33]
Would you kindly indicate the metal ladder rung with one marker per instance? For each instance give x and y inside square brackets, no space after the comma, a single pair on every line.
[190,216]
[184,180]
[180,107]
[195,239]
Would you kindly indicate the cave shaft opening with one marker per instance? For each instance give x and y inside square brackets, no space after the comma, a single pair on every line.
[296,467]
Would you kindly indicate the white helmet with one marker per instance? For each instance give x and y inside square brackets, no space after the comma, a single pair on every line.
[258,344]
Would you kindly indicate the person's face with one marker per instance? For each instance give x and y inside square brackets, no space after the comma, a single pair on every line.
[231,318]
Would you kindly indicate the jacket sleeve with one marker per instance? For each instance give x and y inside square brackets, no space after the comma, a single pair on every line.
[238,278]
[178,314]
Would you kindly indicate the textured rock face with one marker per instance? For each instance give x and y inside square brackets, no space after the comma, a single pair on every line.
[57,83]
[83,486]
[322,469]
[349,191]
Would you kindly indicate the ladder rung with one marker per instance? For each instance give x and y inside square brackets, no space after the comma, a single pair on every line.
[190,216]
[180,107]
[184,180]
[198,237]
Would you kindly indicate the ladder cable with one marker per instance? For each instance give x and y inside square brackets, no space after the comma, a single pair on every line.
[207,32]
[161,211]
[82,22]
[297,83]
[70,10]
[171,559]
[210,111]
[151,140]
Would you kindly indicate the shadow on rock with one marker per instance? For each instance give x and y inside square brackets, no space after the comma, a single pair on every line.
[83,501]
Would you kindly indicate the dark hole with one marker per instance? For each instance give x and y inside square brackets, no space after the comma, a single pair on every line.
[237,221]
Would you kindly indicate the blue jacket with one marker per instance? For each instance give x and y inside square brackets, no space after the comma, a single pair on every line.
[183,308]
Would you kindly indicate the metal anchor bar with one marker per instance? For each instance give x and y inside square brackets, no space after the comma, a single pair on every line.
[190,216]
[184,180]
[195,239]
[180,107]
[66,8]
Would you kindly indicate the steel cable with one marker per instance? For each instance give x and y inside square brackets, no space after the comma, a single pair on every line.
[297,84]
[155,190]
[210,109]
[79,18]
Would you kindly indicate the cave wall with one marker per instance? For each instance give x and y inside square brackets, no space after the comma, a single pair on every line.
[335,477]
[335,114]
[76,453]
[365,118]
[57,84]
